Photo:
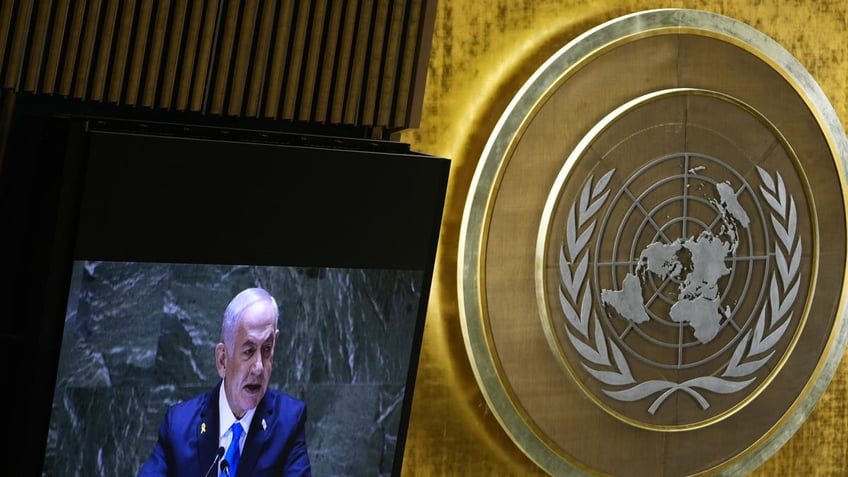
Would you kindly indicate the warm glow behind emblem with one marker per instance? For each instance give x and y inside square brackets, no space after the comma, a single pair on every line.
[646,284]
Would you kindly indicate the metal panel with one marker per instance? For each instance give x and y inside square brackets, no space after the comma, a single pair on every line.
[341,63]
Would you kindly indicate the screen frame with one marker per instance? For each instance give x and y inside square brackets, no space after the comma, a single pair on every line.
[69,208]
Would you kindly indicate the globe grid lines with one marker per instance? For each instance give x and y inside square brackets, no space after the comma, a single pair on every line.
[690,175]
[754,350]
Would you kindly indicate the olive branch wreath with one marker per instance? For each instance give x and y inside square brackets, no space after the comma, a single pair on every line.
[750,354]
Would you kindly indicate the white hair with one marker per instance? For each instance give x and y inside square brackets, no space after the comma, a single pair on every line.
[238,304]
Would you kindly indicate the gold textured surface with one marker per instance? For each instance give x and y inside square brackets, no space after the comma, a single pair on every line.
[482,52]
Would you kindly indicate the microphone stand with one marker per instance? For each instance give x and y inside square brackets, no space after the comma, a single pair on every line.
[215,460]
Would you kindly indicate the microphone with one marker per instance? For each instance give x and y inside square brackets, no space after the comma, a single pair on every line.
[225,468]
[218,455]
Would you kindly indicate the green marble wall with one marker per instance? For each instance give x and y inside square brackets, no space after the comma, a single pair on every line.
[140,337]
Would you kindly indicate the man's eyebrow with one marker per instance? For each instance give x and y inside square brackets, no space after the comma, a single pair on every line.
[251,342]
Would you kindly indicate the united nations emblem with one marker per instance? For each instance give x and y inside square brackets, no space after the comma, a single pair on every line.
[685,279]
[653,255]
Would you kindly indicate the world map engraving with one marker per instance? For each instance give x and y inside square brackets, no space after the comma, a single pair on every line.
[695,263]
[698,282]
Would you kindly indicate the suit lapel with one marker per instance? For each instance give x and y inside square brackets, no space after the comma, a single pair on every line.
[260,430]
[208,419]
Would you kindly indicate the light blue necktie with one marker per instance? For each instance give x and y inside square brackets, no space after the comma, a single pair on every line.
[233,454]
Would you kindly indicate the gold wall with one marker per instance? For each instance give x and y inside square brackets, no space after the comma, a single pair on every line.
[482,52]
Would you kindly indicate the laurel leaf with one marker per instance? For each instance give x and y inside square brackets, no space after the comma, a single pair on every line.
[759,329]
[609,377]
[640,391]
[570,314]
[570,231]
[774,300]
[793,217]
[781,194]
[564,269]
[796,260]
[775,335]
[602,182]
[585,315]
[716,385]
[732,365]
[620,362]
[584,203]
[565,274]
[584,238]
[585,351]
[782,268]
[593,208]
[580,273]
[781,233]
[772,201]
[787,302]
[765,177]
[750,367]
[600,340]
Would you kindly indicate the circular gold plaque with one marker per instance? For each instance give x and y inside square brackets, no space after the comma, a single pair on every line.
[653,251]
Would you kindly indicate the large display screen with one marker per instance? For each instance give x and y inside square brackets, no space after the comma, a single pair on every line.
[139,337]
[173,222]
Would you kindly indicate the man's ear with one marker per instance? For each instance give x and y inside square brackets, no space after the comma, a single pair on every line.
[221,359]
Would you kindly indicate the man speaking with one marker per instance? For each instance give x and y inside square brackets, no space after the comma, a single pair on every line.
[240,428]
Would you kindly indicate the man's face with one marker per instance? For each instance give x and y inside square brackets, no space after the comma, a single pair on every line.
[247,372]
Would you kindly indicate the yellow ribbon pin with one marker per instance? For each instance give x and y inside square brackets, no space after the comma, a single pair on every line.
[202,427]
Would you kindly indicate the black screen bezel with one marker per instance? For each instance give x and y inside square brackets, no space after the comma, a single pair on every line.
[118,190]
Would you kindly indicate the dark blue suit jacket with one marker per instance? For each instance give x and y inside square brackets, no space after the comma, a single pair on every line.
[188,439]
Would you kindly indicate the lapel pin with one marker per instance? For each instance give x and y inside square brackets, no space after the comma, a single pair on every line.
[203,428]
[264,424]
